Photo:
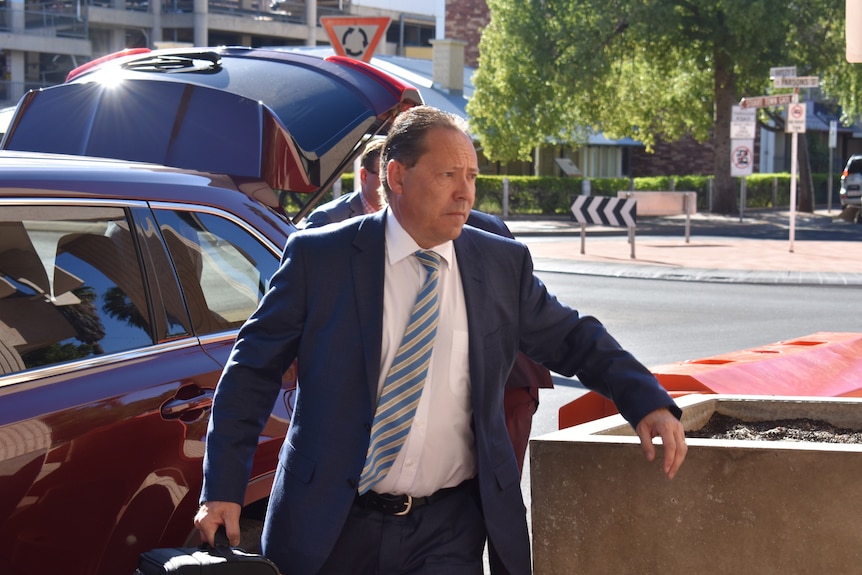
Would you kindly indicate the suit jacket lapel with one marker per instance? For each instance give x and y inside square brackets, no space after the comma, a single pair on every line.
[368,269]
[356,206]
[473,279]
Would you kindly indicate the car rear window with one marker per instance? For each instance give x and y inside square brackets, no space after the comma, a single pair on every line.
[111,125]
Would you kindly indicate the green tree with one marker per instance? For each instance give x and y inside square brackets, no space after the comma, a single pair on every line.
[647,69]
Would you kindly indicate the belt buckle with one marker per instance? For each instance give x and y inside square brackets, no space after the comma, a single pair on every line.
[407,506]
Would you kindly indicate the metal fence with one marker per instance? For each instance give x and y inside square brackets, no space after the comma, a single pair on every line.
[279,10]
[63,19]
[67,18]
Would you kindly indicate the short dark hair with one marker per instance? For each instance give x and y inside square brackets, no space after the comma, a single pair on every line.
[370,159]
[405,141]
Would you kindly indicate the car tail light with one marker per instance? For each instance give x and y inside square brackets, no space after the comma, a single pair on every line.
[408,95]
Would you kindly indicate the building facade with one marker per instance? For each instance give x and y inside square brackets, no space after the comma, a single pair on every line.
[40,42]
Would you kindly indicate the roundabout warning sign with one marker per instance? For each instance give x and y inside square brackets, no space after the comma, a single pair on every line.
[355,37]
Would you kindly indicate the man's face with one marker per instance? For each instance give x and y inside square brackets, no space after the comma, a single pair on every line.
[370,184]
[433,199]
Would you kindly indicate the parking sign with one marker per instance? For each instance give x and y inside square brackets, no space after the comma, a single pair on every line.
[795,118]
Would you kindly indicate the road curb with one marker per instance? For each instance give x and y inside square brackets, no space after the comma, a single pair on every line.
[644,271]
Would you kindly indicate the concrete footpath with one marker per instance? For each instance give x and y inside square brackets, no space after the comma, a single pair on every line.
[826,247]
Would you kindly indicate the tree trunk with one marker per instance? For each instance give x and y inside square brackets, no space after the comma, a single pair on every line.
[806,182]
[724,200]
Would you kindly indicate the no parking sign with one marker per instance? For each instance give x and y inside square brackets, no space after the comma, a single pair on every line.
[741,157]
[795,119]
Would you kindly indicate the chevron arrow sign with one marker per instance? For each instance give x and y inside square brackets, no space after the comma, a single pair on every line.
[598,210]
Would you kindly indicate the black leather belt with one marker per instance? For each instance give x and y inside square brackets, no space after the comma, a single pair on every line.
[404,504]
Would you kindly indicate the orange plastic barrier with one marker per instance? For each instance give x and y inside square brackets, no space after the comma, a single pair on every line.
[824,364]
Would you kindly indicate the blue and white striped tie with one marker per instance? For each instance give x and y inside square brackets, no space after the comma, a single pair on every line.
[405,380]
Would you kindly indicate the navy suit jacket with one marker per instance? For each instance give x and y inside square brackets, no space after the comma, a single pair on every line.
[325,307]
[341,208]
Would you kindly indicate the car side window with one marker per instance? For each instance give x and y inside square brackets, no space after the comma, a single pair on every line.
[224,270]
[70,286]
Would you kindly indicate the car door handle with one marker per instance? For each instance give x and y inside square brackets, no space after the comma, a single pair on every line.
[178,407]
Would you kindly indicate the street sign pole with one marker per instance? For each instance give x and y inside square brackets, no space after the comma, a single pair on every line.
[829,186]
[794,122]
[794,147]
[833,141]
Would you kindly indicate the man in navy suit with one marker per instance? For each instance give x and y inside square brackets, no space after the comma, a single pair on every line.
[521,398]
[339,305]
[365,200]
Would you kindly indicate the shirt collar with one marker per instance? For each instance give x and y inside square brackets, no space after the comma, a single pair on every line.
[400,245]
[367,208]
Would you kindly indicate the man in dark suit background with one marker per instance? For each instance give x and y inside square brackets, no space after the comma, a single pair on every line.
[366,200]
[339,304]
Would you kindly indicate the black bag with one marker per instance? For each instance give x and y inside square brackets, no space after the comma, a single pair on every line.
[204,560]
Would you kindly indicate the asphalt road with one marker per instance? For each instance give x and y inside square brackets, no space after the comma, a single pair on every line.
[664,321]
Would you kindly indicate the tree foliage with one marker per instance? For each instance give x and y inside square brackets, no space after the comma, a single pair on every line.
[647,69]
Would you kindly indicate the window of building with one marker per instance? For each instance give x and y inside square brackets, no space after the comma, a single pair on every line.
[410,34]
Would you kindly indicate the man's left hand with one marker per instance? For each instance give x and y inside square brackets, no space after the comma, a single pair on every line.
[662,423]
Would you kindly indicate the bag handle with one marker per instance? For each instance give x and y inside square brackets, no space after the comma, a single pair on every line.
[220,539]
[221,543]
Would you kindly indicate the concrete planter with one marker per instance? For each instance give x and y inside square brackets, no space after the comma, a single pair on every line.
[735,507]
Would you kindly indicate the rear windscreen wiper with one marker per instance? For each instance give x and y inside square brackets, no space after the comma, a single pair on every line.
[206,62]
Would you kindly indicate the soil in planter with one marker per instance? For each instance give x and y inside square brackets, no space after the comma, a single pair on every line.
[724,427]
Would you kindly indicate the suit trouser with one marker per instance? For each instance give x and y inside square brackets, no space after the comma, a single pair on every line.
[446,536]
[520,404]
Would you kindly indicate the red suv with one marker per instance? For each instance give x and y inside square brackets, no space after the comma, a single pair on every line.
[123,284]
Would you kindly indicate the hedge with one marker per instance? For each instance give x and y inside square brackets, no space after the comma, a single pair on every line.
[547,195]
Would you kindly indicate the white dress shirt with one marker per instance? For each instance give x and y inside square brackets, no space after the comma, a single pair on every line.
[440,448]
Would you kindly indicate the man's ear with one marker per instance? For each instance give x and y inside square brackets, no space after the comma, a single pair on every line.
[395,176]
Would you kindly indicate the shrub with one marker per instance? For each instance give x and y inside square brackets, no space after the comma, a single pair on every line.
[553,196]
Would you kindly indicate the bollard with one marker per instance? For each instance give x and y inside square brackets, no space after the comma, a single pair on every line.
[505,198]
[710,184]
[689,201]
[774,192]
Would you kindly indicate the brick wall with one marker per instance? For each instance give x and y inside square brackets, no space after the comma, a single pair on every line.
[683,157]
[465,20]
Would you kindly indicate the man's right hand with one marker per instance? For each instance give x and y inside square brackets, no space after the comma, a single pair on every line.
[214,513]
